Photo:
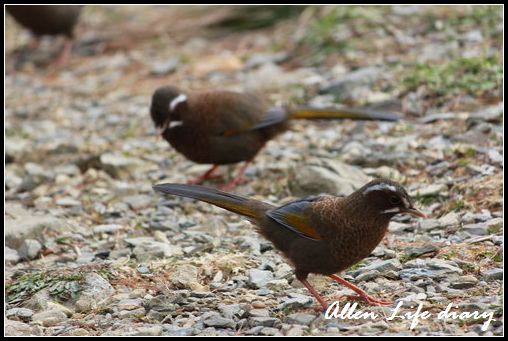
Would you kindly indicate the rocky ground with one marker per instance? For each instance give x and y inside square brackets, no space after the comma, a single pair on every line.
[92,250]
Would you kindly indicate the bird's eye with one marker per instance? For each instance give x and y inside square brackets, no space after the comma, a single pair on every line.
[394,200]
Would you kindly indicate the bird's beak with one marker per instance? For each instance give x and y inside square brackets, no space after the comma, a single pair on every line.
[414,211]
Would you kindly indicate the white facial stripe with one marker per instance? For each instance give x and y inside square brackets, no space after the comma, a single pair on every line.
[175,124]
[392,210]
[177,100]
[380,187]
[406,203]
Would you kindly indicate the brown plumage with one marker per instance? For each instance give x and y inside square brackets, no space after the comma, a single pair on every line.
[223,127]
[320,234]
[48,20]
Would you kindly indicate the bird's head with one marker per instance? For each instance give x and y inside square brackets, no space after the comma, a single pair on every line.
[163,109]
[388,198]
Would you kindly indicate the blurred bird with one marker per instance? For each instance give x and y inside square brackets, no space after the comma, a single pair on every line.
[49,20]
[222,127]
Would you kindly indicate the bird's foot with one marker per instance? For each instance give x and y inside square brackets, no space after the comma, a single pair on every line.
[207,175]
[232,184]
[368,299]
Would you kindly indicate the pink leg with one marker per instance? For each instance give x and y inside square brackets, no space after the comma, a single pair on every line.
[238,178]
[203,177]
[64,55]
[362,295]
[313,291]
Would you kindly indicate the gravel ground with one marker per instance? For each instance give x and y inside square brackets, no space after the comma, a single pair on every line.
[92,250]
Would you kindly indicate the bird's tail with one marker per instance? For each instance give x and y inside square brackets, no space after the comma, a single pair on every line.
[353,114]
[247,207]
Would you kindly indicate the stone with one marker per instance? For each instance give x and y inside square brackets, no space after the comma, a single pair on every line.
[259,278]
[19,314]
[21,224]
[17,328]
[184,276]
[464,282]
[264,321]
[11,256]
[95,292]
[219,322]
[493,274]
[49,318]
[300,318]
[30,249]
[295,301]
[107,228]
[326,176]
[380,267]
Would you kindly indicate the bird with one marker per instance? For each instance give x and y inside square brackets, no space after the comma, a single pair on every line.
[49,20]
[225,127]
[321,234]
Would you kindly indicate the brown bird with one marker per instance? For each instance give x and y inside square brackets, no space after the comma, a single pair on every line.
[48,20]
[223,127]
[320,234]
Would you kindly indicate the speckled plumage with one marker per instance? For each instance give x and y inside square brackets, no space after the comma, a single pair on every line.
[322,234]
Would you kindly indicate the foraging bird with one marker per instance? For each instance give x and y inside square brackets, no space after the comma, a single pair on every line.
[49,20]
[319,234]
[222,127]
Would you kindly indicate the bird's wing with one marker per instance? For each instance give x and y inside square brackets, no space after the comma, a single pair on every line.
[236,113]
[296,217]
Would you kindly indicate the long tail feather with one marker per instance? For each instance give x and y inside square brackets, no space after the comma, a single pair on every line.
[231,202]
[353,114]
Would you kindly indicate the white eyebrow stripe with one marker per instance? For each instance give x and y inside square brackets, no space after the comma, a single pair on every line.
[392,210]
[177,100]
[380,187]
[175,124]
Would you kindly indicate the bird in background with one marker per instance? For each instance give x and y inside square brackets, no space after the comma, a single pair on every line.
[322,234]
[49,20]
[224,127]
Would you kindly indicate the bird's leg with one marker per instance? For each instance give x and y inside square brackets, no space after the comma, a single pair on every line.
[313,291]
[237,179]
[203,177]
[362,295]
[64,55]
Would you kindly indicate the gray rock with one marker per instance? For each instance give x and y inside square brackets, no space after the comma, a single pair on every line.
[429,224]
[68,202]
[185,276]
[417,251]
[11,256]
[259,278]
[380,267]
[16,328]
[300,318]
[132,313]
[129,304]
[19,314]
[162,68]
[21,224]
[151,249]
[480,229]
[464,282]
[30,249]
[352,80]
[450,219]
[118,165]
[49,318]
[493,274]
[264,321]
[259,313]
[171,330]
[137,202]
[263,58]
[429,190]
[326,176]
[429,268]
[295,301]
[231,310]
[268,331]
[107,228]
[219,322]
[95,291]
